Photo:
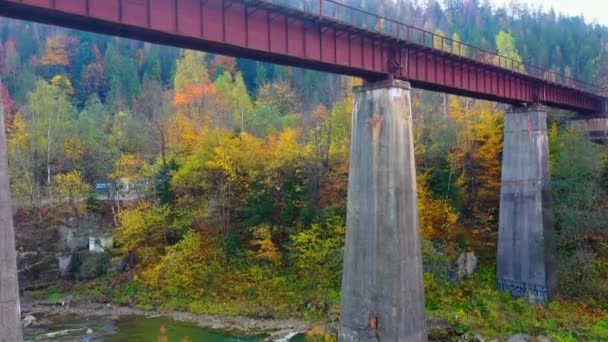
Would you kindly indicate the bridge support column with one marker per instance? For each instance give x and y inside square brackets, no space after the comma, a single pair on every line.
[382,283]
[10,312]
[526,258]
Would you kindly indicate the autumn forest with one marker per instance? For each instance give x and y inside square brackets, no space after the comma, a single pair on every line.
[237,172]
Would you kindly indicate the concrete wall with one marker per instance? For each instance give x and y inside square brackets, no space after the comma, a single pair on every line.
[525,265]
[382,284]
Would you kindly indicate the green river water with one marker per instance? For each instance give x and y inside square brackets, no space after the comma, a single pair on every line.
[130,329]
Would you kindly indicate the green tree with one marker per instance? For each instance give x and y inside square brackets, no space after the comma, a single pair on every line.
[579,206]
[243,104]
[49,120]
[120,72]
[505,45]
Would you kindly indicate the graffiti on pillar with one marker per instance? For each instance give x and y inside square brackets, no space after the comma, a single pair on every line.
[533,292]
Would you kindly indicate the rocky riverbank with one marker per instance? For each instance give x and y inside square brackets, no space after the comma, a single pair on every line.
[36,313]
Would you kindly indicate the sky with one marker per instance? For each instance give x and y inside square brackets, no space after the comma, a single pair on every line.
[592,10]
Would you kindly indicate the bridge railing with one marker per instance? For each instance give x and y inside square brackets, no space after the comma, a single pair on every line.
[363,20]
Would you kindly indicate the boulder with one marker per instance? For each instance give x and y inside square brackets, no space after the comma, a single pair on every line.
[520,338]
[117,264]
[466,264]
[541,338]
[478,338]
[28,320]
[439,330]
[464,338]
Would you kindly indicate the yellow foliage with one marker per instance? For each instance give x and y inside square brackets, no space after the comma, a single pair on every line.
[244,154]
[183,134]
[64,83]
[477,155]
[438,219]
[17,138]
[288,150]
[70,185]
[320,333]
[142,231]
[553,135]
[179,268]
[489,141]
[278,96]
[129,166]
[74,148]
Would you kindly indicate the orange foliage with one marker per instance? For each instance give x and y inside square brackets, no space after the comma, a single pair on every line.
[194,93]
[7,104]
[222,62]
[266,248]
[56,50]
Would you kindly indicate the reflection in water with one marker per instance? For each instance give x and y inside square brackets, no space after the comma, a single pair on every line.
[135,328]
[70,328]
[163,334]
[164,338]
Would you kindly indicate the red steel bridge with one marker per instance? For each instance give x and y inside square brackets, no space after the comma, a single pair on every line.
[320,34]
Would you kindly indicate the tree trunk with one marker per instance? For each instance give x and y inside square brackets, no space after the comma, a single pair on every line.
[10,312]
[48,155]
[242,121]
[328,148]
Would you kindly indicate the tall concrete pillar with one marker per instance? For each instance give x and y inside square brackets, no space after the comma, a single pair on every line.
[10,312]
[526,258]
[382,283]
[10,316]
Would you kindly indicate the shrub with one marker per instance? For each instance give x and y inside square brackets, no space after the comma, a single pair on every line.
[88,265]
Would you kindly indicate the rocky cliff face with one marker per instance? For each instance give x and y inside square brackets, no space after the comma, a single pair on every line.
[46,247]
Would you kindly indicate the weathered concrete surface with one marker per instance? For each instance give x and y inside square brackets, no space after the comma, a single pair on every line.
[526,261]
[10,316]
[383,279]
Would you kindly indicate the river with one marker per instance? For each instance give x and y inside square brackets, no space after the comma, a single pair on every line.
[72,328]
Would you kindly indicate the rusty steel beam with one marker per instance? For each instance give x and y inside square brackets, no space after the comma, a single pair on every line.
[317,34]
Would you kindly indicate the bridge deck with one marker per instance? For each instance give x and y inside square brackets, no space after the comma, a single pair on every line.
[323,35]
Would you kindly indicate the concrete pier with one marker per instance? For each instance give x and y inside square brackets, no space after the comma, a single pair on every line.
[10,316]
[382,284]
[526,258]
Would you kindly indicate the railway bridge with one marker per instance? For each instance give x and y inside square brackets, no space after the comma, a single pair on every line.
[382,287]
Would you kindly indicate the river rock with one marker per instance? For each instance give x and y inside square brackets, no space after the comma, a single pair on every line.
[89,331]
[541,338]
[265,313]
[117,264]
[28,320]
[520,338]
[464,338]
[466,264]
[67,301]
[439,330]
[478,338]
